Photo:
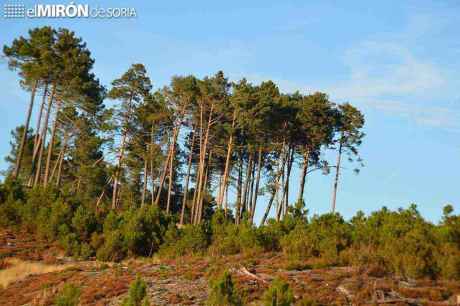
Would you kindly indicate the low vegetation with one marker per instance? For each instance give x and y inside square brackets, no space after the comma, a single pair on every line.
[137,294]
[69,296]
[398,242]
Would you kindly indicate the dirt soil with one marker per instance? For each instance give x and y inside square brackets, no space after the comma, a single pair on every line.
[184,281]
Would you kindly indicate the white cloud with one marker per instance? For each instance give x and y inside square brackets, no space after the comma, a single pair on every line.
[379,69]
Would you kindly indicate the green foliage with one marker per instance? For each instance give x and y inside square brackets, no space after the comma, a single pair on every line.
[137,294]
[325,237]
[69,296]
[223,292]
[190,240]
[135,232]
[278,294]
[229,238]
[400,242]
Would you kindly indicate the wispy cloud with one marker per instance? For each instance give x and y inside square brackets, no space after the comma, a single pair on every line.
[392,74]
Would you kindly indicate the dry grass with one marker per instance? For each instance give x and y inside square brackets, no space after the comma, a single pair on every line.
[19,269]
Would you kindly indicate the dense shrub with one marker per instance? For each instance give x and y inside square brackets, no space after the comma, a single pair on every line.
[400,242]
[135,232]
[137,294]
[190,240]
[325,237]
[223,292]
[278,294]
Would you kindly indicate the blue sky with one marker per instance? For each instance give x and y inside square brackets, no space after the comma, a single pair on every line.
[395,60]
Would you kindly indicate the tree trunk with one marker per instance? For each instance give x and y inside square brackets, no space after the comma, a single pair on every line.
[171,161]
[195,192]
[336,180]
[144,187]
[120,157]
[43,137]
[227,163]
[254,201]
[152,177]
[248,203]
[282,176]
[167,163]
[51,143]
[117,171]
[37,138]
[246,184]
[39,120]
[303,175]
[22,145]
[205,182]
[203,153]
[59,162]
[269,206]
[276,188]
[238,191]
[226,200]
[187,179]
[288,177]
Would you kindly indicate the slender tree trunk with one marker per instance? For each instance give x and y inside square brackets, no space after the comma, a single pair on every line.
[303,175]
[187,179]
[251,190]
[239,191]
[117,173]
[269,206]
[22,145]
[254,201]
[280,168]
[221,174]
[167,163]
[246,183]
[226,200]
[288,177]
[194,205]
[37,138]
[56,165]
[152,177]
[51,143]
[43,136]
[59,161]
[205,182]
[204,150]
[171,161]
[59,173]
[172,147]
[144,187]
[279,209]
[227,163]
[39,120]
[336,180]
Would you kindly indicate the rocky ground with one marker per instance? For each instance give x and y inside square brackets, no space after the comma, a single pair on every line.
[185,281]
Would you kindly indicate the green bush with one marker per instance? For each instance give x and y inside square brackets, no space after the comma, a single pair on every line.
[278,294]
[223,292]
[324,237]
[143,230]
[190,240]
[9,213]
[229,238]
[113,248]
[84,223]
[69,296]
[137,294]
